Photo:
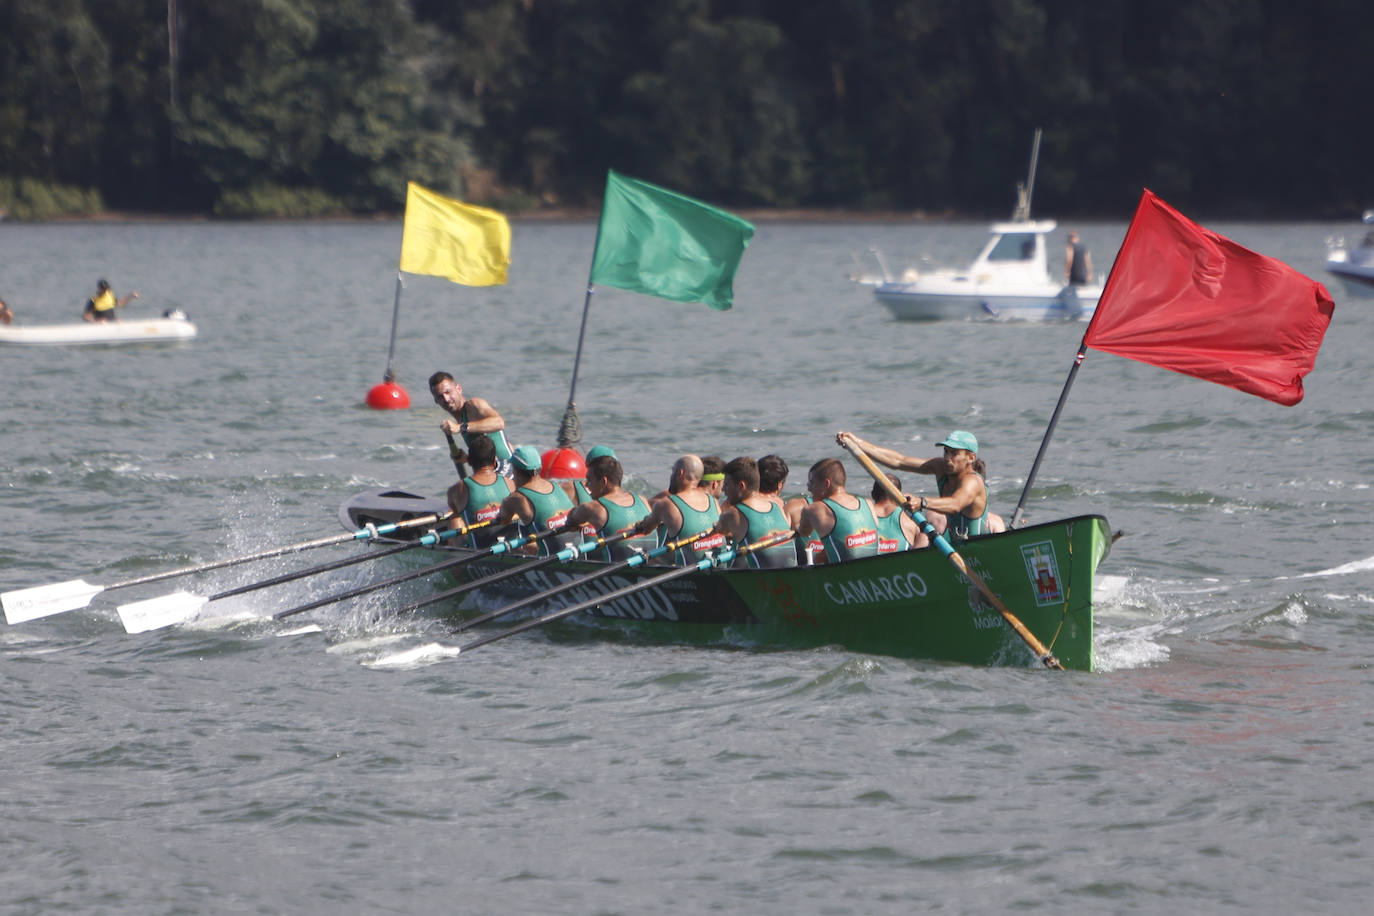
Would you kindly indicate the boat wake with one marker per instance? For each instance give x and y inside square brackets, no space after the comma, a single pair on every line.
[1345,569]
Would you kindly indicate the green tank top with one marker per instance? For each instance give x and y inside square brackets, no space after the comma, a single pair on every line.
[855,533]
[503,450]
[580,488]
[761,525]
[694,522]
[891,537]
[484,504]
[550,511]
[960,527]
[619,517]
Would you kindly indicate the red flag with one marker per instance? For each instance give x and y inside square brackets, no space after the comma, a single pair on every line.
[1182,297]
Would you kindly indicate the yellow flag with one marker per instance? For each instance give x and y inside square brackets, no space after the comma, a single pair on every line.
[447,238]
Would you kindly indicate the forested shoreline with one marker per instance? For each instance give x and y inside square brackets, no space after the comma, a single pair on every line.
[308,108]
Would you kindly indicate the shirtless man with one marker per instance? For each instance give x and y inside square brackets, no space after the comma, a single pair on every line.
[843,522]
[469,417]
[963,498]
[686,510]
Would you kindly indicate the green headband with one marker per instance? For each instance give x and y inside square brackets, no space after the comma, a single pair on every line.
[708,478]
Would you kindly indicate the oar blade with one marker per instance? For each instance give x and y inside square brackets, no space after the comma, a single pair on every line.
[157,613]
[46,600]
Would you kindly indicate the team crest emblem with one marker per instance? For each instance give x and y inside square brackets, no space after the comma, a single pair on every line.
[1042,567]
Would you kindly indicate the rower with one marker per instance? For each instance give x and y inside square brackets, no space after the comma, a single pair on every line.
[469,417]
[749,516]
[610,510]
[536,505]
[577,489]
[686,510]
[843,522]
[478,497]
[713,477]
[897,530]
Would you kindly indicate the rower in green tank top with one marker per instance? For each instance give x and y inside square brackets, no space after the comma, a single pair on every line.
[536,505]
[897,530]
[611,510]
[844,522]
[749,517]
[478,497]
[685,510]
[470,416]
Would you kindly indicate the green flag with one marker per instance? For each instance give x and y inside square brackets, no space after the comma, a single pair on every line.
[661,243]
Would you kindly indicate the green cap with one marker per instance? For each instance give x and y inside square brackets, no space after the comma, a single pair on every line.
[960,439]
[600,451]
[526,458]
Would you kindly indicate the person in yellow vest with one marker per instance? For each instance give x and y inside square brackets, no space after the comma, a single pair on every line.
[101,306]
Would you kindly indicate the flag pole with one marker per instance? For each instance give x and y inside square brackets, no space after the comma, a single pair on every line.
[570,429]
[1049,431]
[389,394]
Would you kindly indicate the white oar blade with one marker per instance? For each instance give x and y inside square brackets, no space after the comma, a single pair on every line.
[156,613]
[46,600]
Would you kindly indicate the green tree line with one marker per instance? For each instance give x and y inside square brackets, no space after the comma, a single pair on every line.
[1243,108]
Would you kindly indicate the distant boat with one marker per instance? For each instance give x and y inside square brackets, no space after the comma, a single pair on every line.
[1354,266]
[173,326]
[1009,279]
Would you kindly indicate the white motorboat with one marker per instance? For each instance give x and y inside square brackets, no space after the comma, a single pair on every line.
[172,327]
[1355,265]
[1009,279]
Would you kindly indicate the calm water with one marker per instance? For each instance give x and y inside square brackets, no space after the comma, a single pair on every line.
[350,762]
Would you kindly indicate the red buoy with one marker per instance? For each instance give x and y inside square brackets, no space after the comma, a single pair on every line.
[563,464]
[388,396]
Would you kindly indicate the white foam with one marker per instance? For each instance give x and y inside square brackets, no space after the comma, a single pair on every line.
[1344,569]
[1135,647]
[417,657]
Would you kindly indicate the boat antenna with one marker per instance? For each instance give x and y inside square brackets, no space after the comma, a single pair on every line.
[1022,213]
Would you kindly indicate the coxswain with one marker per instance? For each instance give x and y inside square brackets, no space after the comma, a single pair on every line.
[469,417]
[959,475]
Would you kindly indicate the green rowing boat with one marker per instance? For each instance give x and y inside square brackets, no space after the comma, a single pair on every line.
[913,604]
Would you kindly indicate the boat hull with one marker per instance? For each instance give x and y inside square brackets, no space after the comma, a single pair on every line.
[1356,277]
[153,330]
[908,605]
[920,301]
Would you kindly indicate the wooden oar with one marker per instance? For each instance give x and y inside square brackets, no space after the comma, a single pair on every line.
[493,550]
[45,600]
[1035,645]
[638,559]
[568,553]
[178,607]
[725,556]
[453,452]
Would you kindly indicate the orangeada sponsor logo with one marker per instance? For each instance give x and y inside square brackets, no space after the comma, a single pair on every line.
[861,538]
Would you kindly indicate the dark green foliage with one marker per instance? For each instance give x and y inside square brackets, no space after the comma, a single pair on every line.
[309,107]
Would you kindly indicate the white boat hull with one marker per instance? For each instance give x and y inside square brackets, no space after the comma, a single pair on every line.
[925,300]
[1357,276]
[152,330]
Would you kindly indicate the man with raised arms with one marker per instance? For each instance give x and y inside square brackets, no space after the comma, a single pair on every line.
[749,516]
[686,510]
[963,494]
[610,510]
[536,505]
[470,417]
[843,522]
[478,497]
